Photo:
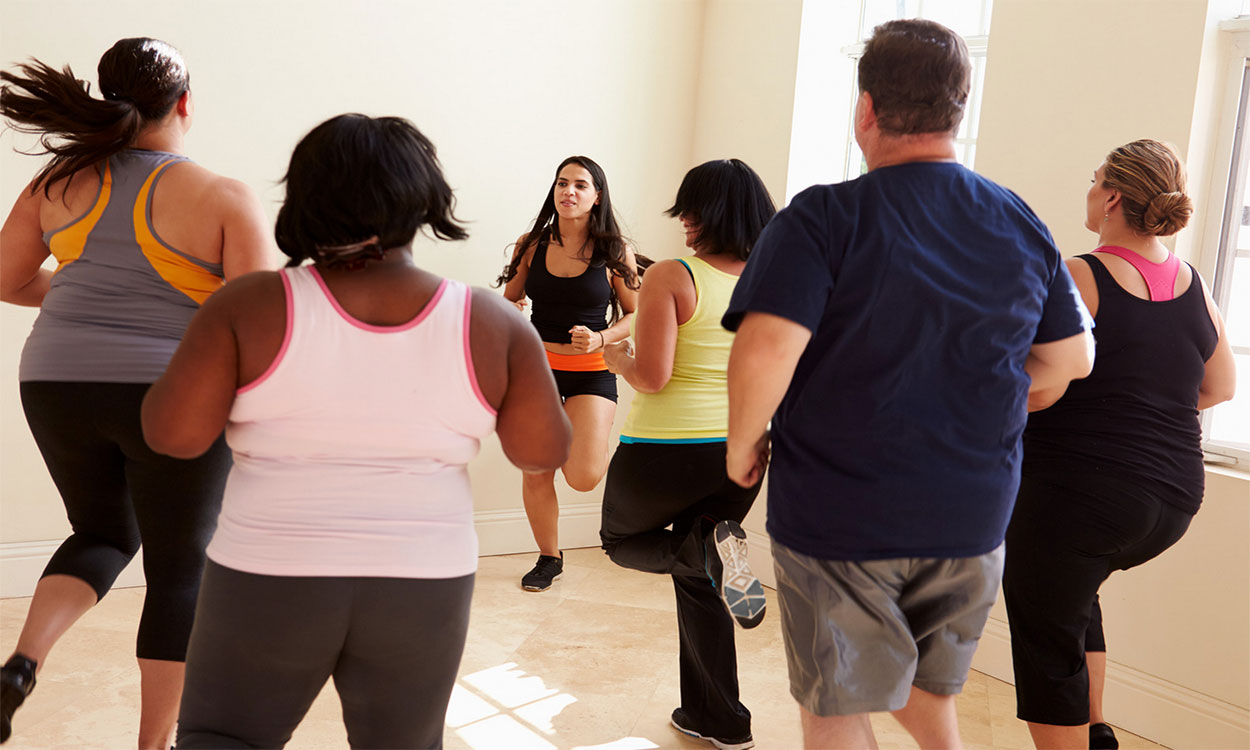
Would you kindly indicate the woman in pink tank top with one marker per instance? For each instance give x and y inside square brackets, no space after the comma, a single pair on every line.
[353,391]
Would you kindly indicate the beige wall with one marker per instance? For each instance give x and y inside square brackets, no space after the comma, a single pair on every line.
[504,88]
[1178,629]
[745,104]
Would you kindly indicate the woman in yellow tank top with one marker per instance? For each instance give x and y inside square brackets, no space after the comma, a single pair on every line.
[670,465]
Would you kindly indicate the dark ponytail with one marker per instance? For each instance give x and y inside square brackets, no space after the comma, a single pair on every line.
[141,81]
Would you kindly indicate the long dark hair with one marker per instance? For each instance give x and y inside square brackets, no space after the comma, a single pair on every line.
[141,80]
[730,203]
[358,186]
[607,244]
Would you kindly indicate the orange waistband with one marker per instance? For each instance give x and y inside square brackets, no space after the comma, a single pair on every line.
[589,362]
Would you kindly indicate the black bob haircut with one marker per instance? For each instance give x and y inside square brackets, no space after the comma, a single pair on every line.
[354,177]
[729,202]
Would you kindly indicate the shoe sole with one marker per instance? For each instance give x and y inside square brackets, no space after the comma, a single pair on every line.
[740,589]
[719,744]
[557,577]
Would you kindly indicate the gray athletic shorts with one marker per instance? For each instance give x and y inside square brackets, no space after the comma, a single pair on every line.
[858,635]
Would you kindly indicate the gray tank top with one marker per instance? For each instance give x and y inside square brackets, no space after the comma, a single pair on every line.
[121,297]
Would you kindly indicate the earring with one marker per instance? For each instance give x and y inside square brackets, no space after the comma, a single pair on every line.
[1105,217]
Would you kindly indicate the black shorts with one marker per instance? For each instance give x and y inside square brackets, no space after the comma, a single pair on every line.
[586,383]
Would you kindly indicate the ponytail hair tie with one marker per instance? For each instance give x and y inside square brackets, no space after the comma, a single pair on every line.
[351,256]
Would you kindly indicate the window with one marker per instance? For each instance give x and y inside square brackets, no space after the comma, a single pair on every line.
[1226,427]
[968,18]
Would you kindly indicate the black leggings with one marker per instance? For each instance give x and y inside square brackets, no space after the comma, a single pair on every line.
[264,646]
[118,493]
[1063,542]
[649,487]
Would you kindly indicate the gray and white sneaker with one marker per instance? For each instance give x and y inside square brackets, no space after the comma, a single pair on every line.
[731,575]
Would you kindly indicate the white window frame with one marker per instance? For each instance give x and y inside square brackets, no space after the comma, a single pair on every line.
[978,47]
[1227,197]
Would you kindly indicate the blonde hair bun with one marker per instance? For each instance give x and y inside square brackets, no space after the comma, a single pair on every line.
[1167,213]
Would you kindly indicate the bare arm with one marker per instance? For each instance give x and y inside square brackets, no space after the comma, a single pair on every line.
[761,366]
[532,427]
[649,370]
[1051,366]
[1219,380]
[247,243]
[1047,393]
[514,289]
[186,409]
[23,280]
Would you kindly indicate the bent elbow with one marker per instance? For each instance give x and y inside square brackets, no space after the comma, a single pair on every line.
[174,446]
[166,438]
[650,382]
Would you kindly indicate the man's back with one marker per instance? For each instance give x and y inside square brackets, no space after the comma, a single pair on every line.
[924,286]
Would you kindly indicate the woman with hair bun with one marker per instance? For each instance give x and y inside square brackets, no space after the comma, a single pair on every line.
[353,390]
[142,236]
[1112,472]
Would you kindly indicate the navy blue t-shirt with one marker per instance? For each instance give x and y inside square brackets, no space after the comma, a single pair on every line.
[924,286]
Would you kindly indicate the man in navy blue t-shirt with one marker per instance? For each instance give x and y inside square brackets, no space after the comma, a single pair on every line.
[892,328]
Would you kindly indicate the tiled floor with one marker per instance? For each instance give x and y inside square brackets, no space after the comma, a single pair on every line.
[592,663]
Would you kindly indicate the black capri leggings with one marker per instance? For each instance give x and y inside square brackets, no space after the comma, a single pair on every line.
[118,493]
[1063,542]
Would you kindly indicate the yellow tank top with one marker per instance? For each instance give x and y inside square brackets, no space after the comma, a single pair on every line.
[694,406]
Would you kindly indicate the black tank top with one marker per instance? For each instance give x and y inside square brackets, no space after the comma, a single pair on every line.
[559,302]
[1136,416]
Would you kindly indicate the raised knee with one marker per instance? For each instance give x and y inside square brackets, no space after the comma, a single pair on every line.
[582,481]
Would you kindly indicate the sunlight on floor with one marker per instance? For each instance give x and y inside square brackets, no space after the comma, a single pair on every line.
[486,705]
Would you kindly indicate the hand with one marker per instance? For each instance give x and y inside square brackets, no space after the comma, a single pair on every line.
[746,464]
[614,355]
[585,340]
[520,304]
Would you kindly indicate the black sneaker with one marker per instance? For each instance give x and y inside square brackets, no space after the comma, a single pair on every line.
[731,574]
[17,679]
[681,723]
[545,571]
[1102,737]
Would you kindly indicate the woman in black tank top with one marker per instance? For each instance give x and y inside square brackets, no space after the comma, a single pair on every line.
[1112,471]
[573,265]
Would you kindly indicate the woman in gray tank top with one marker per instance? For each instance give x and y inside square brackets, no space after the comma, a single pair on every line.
[141,236]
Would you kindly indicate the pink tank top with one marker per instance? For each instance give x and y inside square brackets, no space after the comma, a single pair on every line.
[350,451]
[1160,277]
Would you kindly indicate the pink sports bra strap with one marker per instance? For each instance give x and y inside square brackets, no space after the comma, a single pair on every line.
[1160,277]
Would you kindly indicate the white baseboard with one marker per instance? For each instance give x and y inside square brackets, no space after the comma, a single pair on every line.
[500,532]
[1161,711]
[505,532]
[21,564]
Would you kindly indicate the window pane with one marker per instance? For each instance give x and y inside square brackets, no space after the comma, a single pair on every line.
[855,164]
[974,97]
[1230,421]
[877,12]
[1237,308]
[962,16]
